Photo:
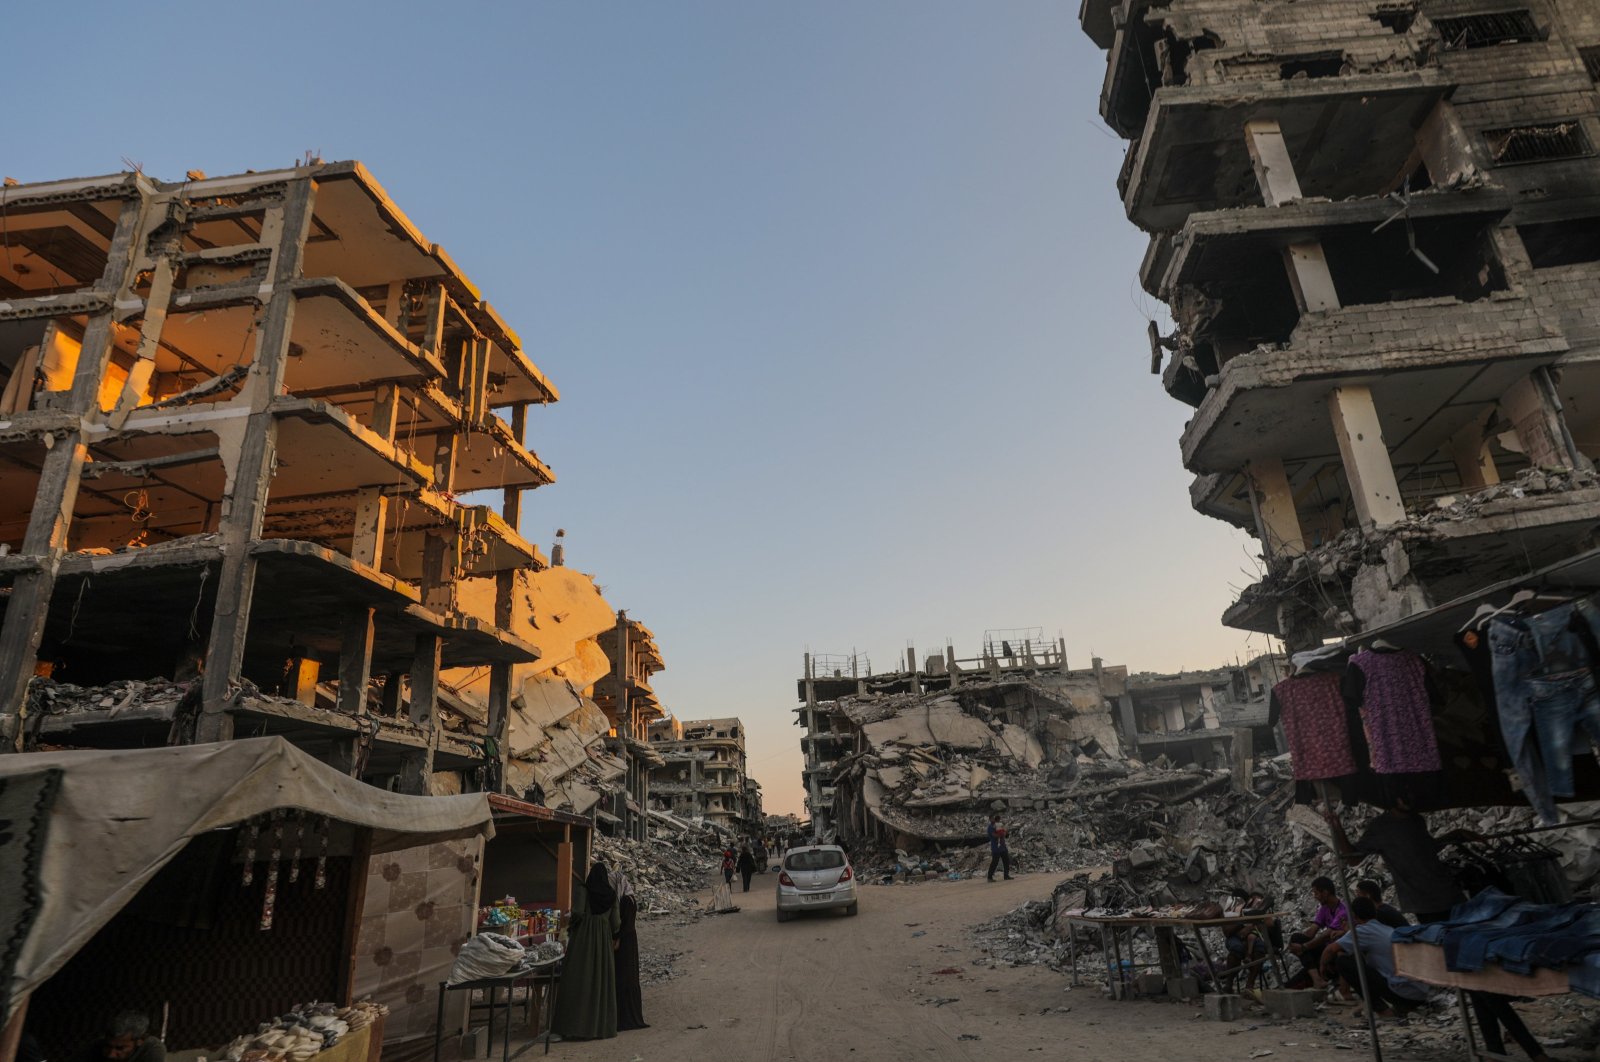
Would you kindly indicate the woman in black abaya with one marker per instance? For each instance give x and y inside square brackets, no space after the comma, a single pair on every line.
[630,997]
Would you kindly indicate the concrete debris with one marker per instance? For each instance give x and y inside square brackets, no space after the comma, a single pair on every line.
[670,877]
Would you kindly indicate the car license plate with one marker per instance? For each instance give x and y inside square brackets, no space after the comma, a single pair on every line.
[816,897]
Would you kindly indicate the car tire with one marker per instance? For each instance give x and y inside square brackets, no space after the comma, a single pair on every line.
[850,911]
[784,916]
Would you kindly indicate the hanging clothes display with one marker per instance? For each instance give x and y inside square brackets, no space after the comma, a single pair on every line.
[1313,714]
[1391,689]
[1542,669]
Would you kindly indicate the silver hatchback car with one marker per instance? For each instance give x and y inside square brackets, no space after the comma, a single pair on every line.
[816,878]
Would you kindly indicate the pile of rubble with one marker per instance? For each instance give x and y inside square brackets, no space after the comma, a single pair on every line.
[49,697]
[670,878]
[1140,849]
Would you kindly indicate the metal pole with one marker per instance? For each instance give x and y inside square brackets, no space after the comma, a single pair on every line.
[1355,941]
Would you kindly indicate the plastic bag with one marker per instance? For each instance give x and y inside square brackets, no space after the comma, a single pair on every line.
[486,955]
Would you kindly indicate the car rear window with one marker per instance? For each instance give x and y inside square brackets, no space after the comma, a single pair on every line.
[814,861]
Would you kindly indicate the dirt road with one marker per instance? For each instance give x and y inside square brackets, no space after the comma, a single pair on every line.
[828,987]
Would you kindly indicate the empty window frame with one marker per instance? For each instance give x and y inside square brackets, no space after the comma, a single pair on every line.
[1397,19]
[1483,31]
[1326,64]
[1560,243]
[1591,61]
[1537,143]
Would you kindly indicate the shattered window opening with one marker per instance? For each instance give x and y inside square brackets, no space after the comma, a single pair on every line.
[1328,64]
[1561,243]
[1396,19]
[1483,31]
[1591,61]
[1537,143]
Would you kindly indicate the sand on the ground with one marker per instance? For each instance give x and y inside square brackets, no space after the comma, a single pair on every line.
[828,987]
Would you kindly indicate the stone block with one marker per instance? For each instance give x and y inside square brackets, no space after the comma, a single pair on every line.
[1224,1006]
[1144,856]
[1291,1003]
[1150,984]
[1183,987]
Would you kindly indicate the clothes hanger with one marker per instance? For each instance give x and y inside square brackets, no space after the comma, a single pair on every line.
[1484,611]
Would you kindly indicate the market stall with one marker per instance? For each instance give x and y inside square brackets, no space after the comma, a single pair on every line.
[1489,700]
[212,887]
[1170,930]
[533,860]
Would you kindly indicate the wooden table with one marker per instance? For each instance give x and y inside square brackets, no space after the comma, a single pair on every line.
[1425,963]
[1172,927]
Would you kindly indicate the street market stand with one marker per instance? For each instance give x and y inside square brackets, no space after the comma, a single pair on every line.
[536,854]
[211,886]
[1167,930]
[1425,963]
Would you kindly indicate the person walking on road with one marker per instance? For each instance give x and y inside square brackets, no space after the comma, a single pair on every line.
[728,865]
[999,852]
[747,866]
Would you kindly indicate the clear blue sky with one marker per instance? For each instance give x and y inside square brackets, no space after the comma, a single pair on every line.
[839,296]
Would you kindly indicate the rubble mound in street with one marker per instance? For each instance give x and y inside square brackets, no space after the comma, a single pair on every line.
[670,878]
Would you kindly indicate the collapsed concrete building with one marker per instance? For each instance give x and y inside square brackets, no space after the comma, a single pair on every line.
[242,426]
[631,706]
[1375,225]
[702,775]
[1199,716]
[920,753]
[828,733]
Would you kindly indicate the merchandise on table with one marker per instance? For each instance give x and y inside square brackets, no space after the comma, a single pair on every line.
[303,1032]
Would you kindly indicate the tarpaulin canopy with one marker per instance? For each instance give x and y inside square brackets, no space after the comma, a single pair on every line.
[84,831]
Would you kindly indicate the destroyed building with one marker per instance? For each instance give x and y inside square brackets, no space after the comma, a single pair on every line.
[1196,716]
[1375,226]
[244,425]
[631,706]
[828,734]
[920,755]
[702,775]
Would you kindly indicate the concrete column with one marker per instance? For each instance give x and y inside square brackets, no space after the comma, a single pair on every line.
[1367,468]
[1308,267]
[499,718]
[1310,278]
[1534,411]
[511,498]
[355,674]
[416,772]
[1277,522]
[1269,154]
[253,464]
[51,517]
[1469,449]
[372,517]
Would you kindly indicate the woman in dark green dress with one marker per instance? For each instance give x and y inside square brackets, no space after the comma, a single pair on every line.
[586,1001]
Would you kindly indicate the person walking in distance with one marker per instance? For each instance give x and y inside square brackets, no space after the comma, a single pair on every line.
[728,865]
[747,866]
[999,853]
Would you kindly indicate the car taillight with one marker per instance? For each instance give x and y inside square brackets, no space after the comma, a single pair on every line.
[847,875]
[785,879]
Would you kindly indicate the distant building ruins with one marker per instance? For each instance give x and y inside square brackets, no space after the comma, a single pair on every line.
[631,707]
[248,428]
[920,755]
[1196,717]
[702,774]
[1375,226]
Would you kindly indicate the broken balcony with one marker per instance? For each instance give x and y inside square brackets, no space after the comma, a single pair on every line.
[1432,369]
[1441,550]
[1347,136]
